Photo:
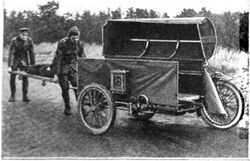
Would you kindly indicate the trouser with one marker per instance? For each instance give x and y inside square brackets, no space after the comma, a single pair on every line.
[64,80]
[25,83]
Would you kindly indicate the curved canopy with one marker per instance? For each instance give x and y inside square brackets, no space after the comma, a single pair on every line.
[169,38]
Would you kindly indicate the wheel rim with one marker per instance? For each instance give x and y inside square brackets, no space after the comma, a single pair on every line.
[141,114]
[231,102]
[96,109]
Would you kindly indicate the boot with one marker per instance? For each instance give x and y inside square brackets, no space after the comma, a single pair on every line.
[12,87]
[12,98]
[65,95]
[67,111]
[25,89]
[26,98]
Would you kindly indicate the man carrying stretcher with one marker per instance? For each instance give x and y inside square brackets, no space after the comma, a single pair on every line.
[21,55]
[65,64]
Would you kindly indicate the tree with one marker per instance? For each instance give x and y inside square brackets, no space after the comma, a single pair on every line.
[204,12]
[244,38]
[8,34]
[116,14]
[130,13]
[48,9]
[153,14]
[165,15]
[47,26]
[187,13]
[103,16]
[141,13]
[231,30]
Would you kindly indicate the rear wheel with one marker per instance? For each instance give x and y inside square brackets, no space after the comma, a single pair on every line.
[232,102]
[96,108]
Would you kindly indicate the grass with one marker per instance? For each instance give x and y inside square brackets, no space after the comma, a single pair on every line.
[93,51]
[228,61]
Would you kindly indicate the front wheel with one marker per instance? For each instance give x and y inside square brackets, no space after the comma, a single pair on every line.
[96,108]
[233,103]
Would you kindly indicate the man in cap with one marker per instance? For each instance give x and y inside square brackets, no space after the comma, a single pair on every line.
[65,64]
[21,55]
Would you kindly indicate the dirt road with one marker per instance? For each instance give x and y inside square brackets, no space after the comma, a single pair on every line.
[39,129]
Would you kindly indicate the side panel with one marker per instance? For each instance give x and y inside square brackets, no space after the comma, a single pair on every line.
[191,84]
[158,80]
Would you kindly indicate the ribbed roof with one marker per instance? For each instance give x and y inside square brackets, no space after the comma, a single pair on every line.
[192,20]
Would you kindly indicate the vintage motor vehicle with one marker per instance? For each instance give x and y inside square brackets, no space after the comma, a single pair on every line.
[156,66]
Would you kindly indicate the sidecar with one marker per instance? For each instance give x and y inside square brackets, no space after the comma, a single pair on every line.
[156,66]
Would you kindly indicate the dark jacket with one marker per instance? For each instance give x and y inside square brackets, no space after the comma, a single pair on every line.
[67,54]
[21,50]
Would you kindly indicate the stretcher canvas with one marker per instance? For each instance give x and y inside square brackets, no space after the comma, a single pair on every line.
[41,70]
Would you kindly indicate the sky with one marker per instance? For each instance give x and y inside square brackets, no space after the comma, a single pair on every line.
[172,7]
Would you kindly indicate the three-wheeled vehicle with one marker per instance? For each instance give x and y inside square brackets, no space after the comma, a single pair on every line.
[156,66]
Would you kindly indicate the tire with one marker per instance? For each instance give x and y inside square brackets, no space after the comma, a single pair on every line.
[142,115]
[96,108]
[233,103]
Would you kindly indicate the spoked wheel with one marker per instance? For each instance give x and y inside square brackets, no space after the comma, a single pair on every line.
[233,103]
[139,111]
[96,108]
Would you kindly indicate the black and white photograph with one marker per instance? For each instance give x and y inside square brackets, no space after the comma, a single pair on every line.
[125,80]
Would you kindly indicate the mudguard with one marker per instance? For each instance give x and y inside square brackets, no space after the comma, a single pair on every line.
[212,99]
[218,76]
